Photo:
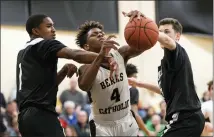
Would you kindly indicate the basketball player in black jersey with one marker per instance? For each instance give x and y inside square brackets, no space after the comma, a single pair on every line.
[38,80]
[175,79]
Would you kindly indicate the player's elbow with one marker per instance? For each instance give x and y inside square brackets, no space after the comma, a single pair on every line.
[82,85]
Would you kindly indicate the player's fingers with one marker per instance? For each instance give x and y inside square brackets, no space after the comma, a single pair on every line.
[111,42]
[132,17]
[111,36]
[110,46]
[124,13]
[139,15]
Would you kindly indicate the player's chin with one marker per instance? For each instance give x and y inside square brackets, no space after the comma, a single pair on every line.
[53,37]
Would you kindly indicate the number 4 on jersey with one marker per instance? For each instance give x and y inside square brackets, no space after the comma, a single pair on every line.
[115,95]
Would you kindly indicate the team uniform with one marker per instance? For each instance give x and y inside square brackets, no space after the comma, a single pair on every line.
[37,88]
[110,103]
[207,109]
[183,112]
[134,95]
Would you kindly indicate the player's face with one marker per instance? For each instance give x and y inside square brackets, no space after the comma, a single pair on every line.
[168,30]
[94,38]
[46,29]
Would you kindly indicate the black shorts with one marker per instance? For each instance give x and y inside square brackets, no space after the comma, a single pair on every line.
[191,126]
[38,122]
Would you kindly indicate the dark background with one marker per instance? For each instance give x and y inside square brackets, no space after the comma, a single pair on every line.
[195,16]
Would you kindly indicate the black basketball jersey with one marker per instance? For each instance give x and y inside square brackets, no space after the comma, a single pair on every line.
[175,79]
[36,74]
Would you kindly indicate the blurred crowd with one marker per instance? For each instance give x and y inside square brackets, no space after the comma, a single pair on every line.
[73,108]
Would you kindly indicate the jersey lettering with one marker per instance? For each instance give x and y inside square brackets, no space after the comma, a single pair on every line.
[115,108]
[110,81]
[160,73]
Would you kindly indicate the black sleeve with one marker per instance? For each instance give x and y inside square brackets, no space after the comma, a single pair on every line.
[2,100]
[174,58]
[48,49]
[134,96]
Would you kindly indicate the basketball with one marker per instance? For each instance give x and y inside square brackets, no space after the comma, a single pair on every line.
[141,34]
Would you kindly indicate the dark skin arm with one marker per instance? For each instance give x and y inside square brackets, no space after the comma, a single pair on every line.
[68,69]
[79,56]
[139,120]
[88,73]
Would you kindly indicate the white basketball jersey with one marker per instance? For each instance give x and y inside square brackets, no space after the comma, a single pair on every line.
[110,96]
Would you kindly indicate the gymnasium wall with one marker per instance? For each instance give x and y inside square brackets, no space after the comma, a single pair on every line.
[199,49]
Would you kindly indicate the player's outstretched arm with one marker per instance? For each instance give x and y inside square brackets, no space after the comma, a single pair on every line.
[79,56]
[151,87]
[166,41]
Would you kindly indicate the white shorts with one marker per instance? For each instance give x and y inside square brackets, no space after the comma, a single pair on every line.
[127,126]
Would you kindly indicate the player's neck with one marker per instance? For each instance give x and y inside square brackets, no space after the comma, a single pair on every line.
[34,37]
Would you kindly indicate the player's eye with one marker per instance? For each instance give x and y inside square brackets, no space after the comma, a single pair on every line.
[166,32]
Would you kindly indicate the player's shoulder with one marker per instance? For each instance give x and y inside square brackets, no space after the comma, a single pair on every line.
[48,42]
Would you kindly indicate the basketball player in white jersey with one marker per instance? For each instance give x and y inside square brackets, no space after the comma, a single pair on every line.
[110,96]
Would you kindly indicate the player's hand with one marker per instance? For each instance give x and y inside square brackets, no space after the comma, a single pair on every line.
[133,82]
[106,46]
[70,69]
[132,14]
[112,62]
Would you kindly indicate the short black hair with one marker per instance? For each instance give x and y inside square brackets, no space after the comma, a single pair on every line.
[131,69]
[81,37]
[34,21]
[174,22]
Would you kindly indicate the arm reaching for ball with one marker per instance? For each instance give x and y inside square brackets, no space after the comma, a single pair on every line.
[151,87]
[164,39]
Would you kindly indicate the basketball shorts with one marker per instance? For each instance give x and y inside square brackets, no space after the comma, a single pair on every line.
[127,126]
[191,126]
[38,122]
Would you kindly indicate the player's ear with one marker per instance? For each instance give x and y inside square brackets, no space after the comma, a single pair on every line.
[178,36]
[86,47]
[35,31]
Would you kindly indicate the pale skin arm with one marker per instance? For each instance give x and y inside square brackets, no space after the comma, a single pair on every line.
[140,84]
[166,41]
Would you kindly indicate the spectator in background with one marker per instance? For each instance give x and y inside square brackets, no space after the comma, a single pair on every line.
[207,109]
[72,94]
[162,113]
[11,116]
[150,113]
[69,114]
[155,125]
[70,132]
[82,126]
[206,96]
